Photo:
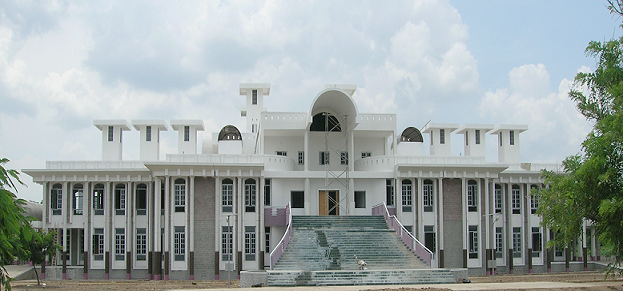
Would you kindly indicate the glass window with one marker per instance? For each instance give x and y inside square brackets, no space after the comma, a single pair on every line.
[249,243]
[473,241]
[323,158]
[499,240]
[297,199]
[442,136]
[344,158]
[534,199]
[389,192]
[537,241]
[301,157]
[179,243]
[141,244]
[472,196]
[431,137]
[187,133]
[407,192]
[516,200]
[227,191]
[428,196]
[430,238]
[498,198]
[56,199]
[267,238]
[98,244]
[249,195]
[98,199]
[267,192]
[254,97]
[516,242]
[120,199]
[119,244]
[78,199]
[511,136]
[180,195]
[282,153]
[466,138]
[227,243]
[141,199]
[477,136]
[111,133]
[360,199]
[501,139]
[148,133]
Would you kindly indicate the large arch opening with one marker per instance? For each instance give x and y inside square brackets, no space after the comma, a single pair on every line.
[325,121]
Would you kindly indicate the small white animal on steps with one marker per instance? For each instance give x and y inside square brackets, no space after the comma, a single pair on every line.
[362,264]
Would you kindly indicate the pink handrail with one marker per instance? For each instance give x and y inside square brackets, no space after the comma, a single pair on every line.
[285,240]
[415,245]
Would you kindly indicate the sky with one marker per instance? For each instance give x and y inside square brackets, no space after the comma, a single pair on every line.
[65,63]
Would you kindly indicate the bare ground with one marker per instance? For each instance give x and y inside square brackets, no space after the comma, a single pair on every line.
[135,285]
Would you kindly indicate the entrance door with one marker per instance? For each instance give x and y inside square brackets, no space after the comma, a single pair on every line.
[328,202]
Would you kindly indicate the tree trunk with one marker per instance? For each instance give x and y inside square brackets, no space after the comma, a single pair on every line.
[36,274]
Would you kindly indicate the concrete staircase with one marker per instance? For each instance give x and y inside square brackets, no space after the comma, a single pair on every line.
[322,252]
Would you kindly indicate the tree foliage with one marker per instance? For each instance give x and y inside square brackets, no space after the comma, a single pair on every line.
[592,185]
[38,245]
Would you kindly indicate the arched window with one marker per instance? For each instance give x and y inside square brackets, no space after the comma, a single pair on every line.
[120,199]
[411,134]
[141,199]
[56,199]
[472,196]
[179,188]
[227,192]
[78,199]
[325,121]
[407,195]
[98,199]
[229,132]
[428,195]
[534,199]
[250,194]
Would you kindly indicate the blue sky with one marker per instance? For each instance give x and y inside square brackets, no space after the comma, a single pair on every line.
[63,64]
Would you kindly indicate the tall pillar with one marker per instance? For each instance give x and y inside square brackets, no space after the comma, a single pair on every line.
[167,226]
[191,227]
[440,224]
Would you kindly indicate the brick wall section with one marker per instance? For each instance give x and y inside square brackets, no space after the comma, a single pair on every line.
[204,228]
[452,223]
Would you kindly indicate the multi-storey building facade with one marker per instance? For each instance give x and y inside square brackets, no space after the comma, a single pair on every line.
[204,215]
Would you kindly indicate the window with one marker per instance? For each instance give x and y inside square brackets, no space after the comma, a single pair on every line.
[477,136]
[442,136]
[344,158]
[516,200]
[81,247]
[499,246]
[56,199]
[254,128]
[301,157]
[141,244]
[227,239]
[78,199]
[511,136]
[534,199]
[430,238]
[473,241]
[267,192]
[428,196]
[120,199]
[431,137]
[148,133]
[366,154]
[323,158]
[407,191]
[98,244]
[498,198]
[472,196]
[119,244]
[249,195]
[249,243]
[179,243]
[537,241]
[389,192]
[360,199]
[111,133]
[297,199]
[409,228]
[141,199]
[467,138]
[282,153]
[98,199]
[501,139]
[227,190]
[267,239]
[187,133]
[179,188]
[162,241]
[516,242]
[162,198]
[254,97]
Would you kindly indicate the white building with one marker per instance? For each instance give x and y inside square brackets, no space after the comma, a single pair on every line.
[198,215]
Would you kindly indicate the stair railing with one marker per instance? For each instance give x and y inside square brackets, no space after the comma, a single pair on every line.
[285,240]
[415,245]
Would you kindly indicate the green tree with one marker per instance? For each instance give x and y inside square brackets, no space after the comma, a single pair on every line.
[592,185]
[38,245]
[12,221]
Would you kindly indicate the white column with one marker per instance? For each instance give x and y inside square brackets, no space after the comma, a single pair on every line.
[307,195]
[306,151]
[419,223]
[156,214]
[191,209]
